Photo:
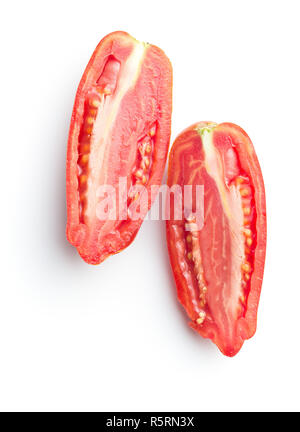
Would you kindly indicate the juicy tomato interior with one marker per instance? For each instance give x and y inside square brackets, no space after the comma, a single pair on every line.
[120,129]
[218,269]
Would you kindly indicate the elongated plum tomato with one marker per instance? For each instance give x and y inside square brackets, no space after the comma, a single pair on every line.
[120,129]
[218,269]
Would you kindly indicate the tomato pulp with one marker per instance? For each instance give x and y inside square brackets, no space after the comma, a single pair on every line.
[218,269]
[120,129]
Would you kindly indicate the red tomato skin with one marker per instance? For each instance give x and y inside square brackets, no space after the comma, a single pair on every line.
[155,69]
[189,144]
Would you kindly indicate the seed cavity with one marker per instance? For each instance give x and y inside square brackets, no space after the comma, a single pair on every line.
[108,80]
[142,170]
[194,255]
[247,197]
[94,101]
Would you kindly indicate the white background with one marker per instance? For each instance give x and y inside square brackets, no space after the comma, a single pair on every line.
[113,337]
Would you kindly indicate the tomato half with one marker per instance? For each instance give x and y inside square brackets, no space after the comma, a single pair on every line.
[120,129]
[218,269]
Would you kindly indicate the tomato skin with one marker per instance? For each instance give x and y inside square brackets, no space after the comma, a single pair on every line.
[134,81]
[228,322]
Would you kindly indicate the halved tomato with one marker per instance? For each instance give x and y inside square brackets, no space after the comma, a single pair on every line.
[219,268]
[120,130]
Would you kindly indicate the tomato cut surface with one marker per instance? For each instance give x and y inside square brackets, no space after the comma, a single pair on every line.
[218,269]
[120,130]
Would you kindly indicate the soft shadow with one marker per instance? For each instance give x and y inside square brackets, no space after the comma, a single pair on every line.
[50,207]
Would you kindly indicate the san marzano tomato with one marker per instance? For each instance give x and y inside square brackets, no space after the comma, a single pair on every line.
[219,269]
[120,129]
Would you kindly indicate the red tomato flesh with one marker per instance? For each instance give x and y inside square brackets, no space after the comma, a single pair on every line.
[120,128]
[218,269]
